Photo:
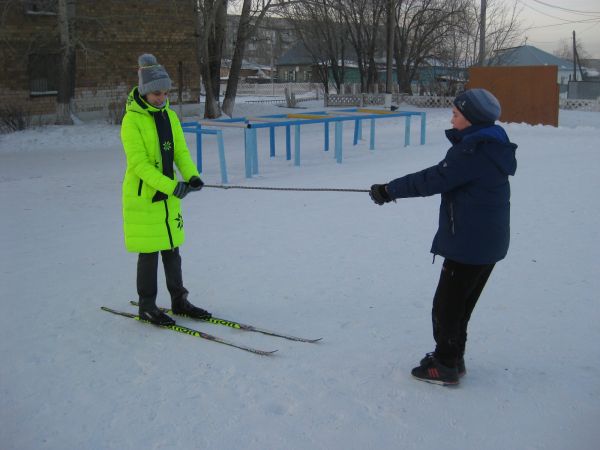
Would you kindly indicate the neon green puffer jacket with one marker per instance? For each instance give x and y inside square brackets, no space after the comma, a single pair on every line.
[151,226]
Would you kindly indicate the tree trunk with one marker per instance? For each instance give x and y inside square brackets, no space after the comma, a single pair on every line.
[400,56]
[66,85]
[236,62]
[210,31]
[389,56]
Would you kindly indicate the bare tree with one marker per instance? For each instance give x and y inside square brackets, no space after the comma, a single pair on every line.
[565,49]
[363,20]
[211,26]
[253,13]
[502,30]
[422,26]
[321,29]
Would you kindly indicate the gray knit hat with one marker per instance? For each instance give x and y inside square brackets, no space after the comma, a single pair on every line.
[152,76]
[478,106]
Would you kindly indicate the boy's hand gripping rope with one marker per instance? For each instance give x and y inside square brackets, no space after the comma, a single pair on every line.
[264,188]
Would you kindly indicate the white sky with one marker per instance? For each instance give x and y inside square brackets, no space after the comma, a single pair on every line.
[547,22]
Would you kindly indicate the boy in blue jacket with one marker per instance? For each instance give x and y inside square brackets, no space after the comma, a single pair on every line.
[474,223]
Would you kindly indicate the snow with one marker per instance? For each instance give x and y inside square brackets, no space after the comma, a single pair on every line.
[314,264]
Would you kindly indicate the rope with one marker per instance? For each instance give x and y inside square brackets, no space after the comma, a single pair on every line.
[264,188]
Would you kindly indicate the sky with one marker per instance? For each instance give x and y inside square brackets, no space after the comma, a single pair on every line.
[547,23]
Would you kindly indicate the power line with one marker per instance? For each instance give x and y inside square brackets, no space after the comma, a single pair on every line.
[540,42]
[575,11]
[589,28]
[564,23]
[541,12]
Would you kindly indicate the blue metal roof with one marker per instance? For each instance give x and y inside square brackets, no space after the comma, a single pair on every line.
[527,55]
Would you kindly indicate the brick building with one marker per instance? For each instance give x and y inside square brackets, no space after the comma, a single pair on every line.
[110,35]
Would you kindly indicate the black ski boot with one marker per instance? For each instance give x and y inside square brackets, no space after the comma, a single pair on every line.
[433,371]
[154,315]
[184,308]
[460,366]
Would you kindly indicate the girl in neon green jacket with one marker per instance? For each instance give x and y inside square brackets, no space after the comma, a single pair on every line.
[153,141]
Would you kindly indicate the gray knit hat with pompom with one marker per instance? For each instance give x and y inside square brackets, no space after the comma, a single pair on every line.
[152,76]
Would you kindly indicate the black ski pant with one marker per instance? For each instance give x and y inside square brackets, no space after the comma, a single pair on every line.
[457,293]
[147,268]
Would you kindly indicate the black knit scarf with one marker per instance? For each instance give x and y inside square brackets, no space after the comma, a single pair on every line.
[165,140]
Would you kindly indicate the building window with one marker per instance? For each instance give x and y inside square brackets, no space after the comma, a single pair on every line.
[41,7]
[43,74]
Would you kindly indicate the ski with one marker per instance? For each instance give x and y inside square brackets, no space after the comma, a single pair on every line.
[191,332]
[244,327]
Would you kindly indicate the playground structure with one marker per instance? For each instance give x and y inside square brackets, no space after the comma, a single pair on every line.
[251,125]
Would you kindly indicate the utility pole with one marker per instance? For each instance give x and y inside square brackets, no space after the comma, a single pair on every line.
[574,58]
[482,33]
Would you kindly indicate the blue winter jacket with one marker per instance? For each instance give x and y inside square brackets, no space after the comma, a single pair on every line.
[474,219]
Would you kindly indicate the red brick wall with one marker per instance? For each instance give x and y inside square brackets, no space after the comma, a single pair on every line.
[112,34]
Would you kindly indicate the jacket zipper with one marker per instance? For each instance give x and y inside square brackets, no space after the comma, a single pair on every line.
[140,188]
[167,224]
[452,217]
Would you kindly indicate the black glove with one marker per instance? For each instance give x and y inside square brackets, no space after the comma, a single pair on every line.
[181,190]
[195,183]
[379,194]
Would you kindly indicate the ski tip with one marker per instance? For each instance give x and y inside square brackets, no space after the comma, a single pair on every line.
[259,352]
[306,340]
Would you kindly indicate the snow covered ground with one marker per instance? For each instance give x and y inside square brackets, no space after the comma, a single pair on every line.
[316,264]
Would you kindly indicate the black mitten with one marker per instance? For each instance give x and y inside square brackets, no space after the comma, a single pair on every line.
[379,194]
[195,183]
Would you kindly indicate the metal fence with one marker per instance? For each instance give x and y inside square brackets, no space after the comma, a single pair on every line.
[275,89]
[580,104]
[425,101]
[366,99]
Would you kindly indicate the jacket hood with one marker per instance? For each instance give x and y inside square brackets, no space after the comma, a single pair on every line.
[137,103]
[499,149]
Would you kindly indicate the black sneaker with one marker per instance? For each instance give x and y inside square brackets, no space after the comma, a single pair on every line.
[433,371]
[460,364]
[185,308]
[155,316]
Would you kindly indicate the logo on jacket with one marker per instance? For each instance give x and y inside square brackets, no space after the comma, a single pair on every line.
[179,220]
[167,146]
